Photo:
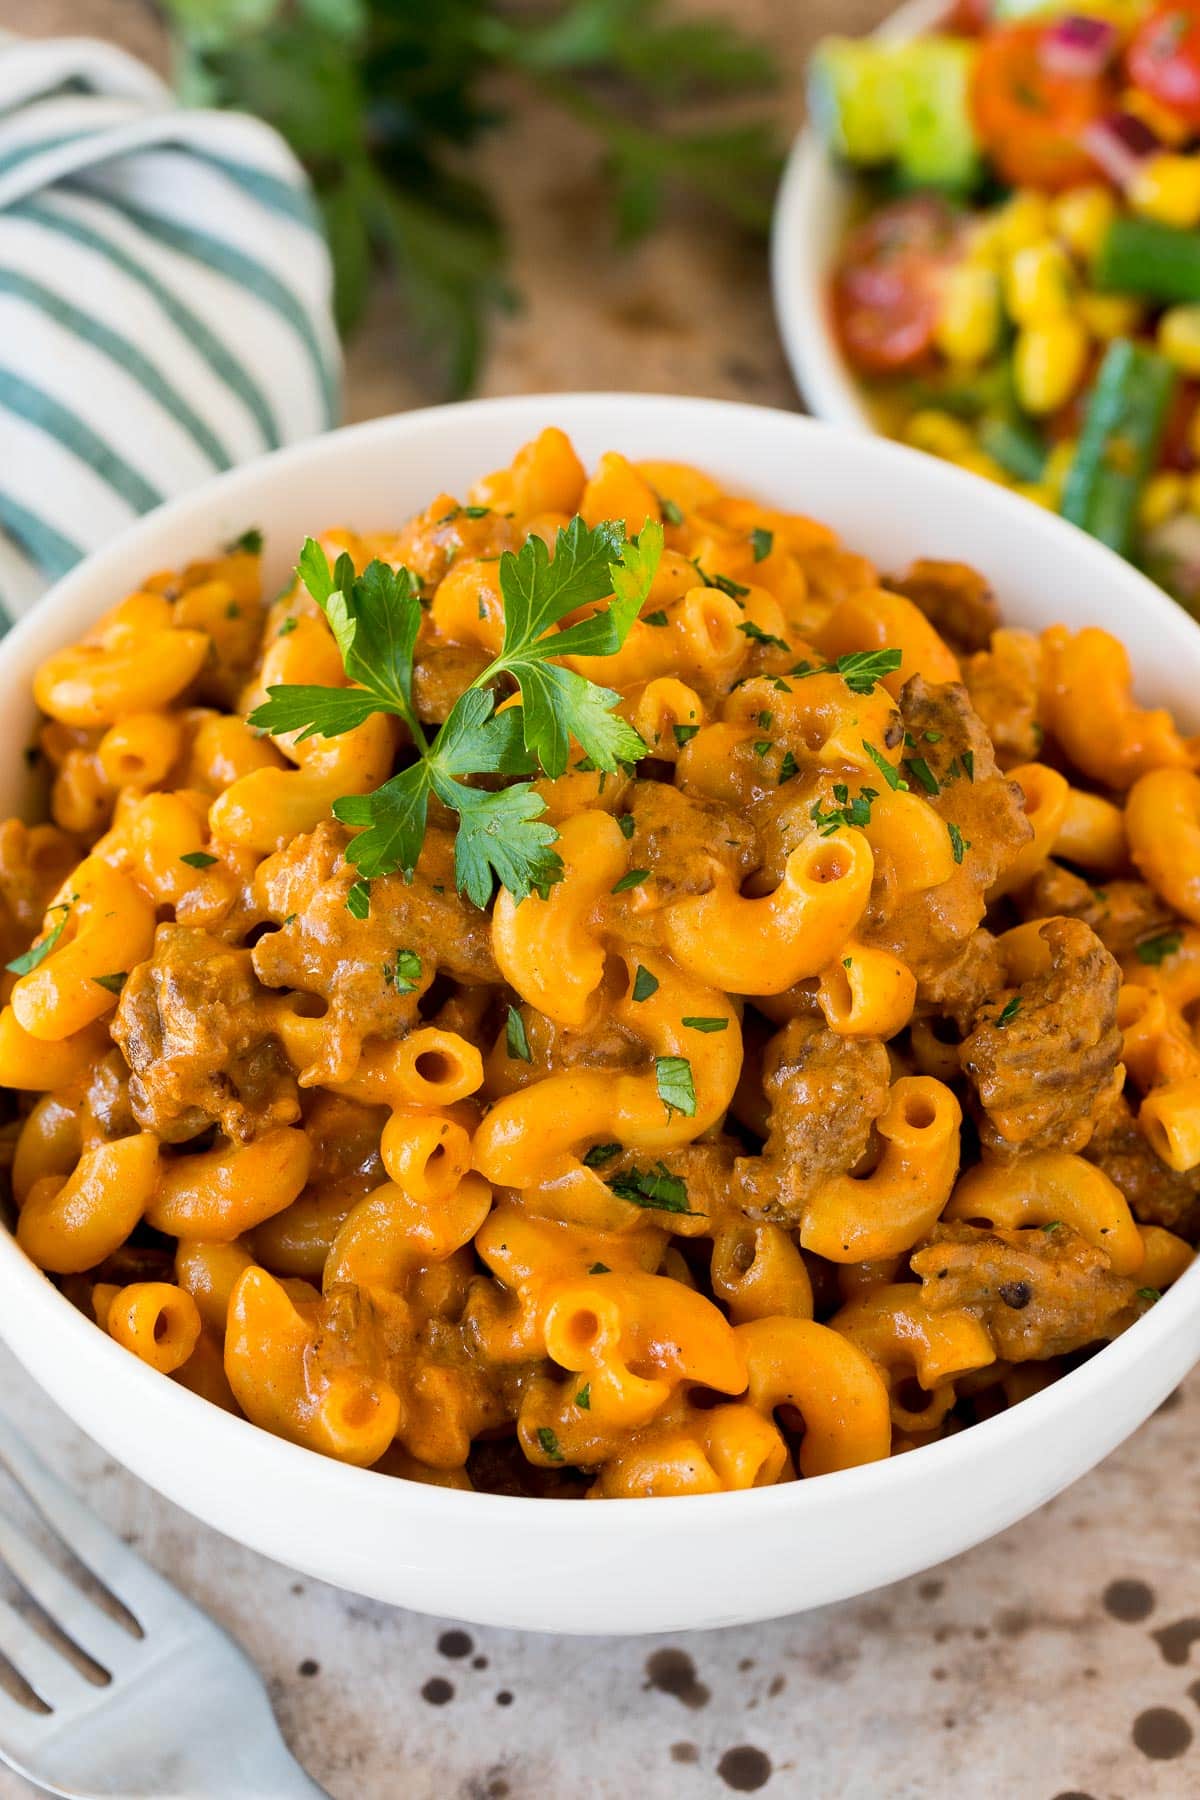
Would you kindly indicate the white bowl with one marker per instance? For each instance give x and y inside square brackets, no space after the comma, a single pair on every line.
[616,1565]
[812,210]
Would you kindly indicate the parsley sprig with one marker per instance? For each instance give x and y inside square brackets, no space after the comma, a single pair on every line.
[375,618]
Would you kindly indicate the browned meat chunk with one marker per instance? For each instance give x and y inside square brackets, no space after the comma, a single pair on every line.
[371,972]
[1121,913]
[825,1093]
[1044,1056]
[1039,1293]
[1156,1194]
[955,599]
[687,842]
[441,672]
[446,533]
[950,762]
[1004,685]
[958,991]
[192,1025]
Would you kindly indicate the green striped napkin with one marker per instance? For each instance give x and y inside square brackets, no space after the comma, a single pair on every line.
[164,302]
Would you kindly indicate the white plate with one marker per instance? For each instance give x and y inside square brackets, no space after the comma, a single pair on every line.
[812,210]
[613,1565]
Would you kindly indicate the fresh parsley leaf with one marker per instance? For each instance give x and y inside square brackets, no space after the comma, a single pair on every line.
[725,583]
[393,818]
[250,543]
[358,899]
[1009,1012]
[656,1189]
[644,983]
[198,859]
[888,770]
[676,1089]
[1155,950]
[958,843]
[548,1443]
[631,879]
[405,973]
[704,1024]
[859,669]
[759,636]
[516,1038]
[594,1159]
[762,542]
[113,983]
[37,953]
[313,711]
[920,769]
[502,837]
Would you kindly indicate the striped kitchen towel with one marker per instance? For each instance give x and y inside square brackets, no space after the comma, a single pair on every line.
[165,302]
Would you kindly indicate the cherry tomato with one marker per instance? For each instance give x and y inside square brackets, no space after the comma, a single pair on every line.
[1164,58]
[885,292]
[1032,121]
[968,17]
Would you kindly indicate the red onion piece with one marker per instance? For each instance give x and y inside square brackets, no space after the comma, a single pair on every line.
[1120,144]
[1077,47]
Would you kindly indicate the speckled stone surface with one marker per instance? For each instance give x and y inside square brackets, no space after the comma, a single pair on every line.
[1059,1662]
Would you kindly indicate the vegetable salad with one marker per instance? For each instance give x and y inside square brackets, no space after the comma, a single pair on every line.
[1021,291]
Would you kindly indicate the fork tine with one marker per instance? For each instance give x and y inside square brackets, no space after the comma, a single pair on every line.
[135,1584]
[45,1669]
[99,1636]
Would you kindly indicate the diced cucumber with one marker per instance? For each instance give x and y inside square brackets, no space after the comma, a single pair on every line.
[876,102]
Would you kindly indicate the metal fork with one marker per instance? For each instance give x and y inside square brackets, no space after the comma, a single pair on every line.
[184,1715]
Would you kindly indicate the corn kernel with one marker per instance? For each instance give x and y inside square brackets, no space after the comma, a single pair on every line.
[1040,283]
[1082,216]
[1179,337]
[1058,465]
[1109,315]
[1163,495]
[1193,492]
[1048,362]
[1166,125]
[938,432]
[984,244]
[1167,188]
[968,323]
[1023,219]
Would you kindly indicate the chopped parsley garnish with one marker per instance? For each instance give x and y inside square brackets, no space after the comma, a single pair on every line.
[644,984]
[37,953]
[631,879]
[958,843]
[464,512]
[548,1443]
[405,973]
[933,737]
[889,772]
[198,859]
[760,636]
[848,811]
[788,767]
[704,1024]
[762,542]
[583,1398]
[287,628]
[1155,950]
[968,763]
[1011,1009]
[1052,1225]
[676,1089]
[727,585]
[250,542]
[656,1189]
[921,771]
[765,720]
[595,1158]
[113,983]
[671,512]
[233,610]
[655,618]
[516,1038]
[859,669]
[599,1269]
[358,899]
[375,617]
[683,734]
[1149,1294]
[762,746]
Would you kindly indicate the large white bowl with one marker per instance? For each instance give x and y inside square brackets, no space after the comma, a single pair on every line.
[616,1565]
[812,210]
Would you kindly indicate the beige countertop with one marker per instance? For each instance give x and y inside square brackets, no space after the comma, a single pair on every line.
[1055,1662]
